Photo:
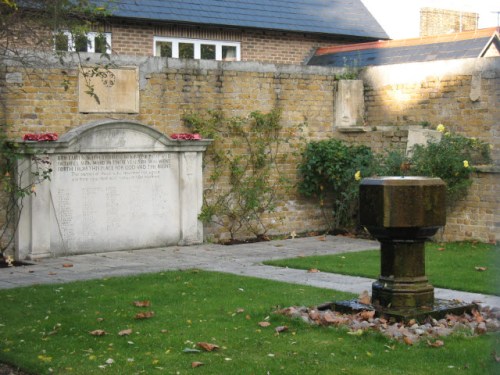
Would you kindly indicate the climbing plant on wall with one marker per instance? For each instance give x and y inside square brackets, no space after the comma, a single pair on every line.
[245,165]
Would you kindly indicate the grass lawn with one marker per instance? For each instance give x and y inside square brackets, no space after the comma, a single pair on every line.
[45,329]
[472,267]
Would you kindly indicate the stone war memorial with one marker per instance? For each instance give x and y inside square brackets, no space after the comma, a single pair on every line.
[114,185]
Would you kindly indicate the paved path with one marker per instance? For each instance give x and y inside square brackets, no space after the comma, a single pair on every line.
[245,260]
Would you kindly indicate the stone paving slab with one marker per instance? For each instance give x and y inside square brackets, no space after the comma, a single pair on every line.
[243,260]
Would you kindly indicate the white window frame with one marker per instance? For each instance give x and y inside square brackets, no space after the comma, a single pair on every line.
[91,39]
[197,46]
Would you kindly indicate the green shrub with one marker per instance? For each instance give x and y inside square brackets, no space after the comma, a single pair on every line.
[330,171]
[452,160]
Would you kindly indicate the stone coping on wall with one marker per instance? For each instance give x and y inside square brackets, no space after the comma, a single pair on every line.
[490,168]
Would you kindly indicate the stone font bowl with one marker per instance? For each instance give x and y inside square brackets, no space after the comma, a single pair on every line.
[402,207]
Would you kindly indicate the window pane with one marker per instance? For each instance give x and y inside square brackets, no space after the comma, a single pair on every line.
[228,53]
[61,42]
[164,49]
[208,51]
[81,43]
[186,50]
[100,43]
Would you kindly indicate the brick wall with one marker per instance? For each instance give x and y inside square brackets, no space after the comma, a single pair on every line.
[463,95]
[396,98]
[443,21]
[136,38]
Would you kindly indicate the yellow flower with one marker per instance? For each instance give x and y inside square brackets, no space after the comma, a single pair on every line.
[440,128]
[466,164]
[357,175]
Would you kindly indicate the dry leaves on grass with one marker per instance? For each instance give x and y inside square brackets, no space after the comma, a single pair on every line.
[313,270]
[281,329]
[435,344]
[196,364]
[125,332]
[98,332]
[142,303]
[208,347]
[480,268]
[407,340]
[144,315]
[264,324]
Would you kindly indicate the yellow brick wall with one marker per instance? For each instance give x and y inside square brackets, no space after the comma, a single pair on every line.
[442,92]
[39,103]
[135,38]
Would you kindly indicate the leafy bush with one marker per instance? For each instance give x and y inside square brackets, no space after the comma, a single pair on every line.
[452,160]
[330,171]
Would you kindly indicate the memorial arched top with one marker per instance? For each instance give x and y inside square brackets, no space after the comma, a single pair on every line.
[117,136]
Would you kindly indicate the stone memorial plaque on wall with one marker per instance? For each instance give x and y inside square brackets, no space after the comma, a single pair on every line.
[132,197]
[114,90]
[114,186]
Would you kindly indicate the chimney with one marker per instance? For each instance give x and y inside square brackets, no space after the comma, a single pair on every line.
[443,21]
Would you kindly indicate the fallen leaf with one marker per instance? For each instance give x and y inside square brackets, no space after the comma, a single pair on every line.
[477,316]
[441,248]
[240,310]
[359,332]
[164,331]
[313,270]
[191,351]
[67,265]
[264,324]
[110,361]
[52,273]
[367,314]
[196,364]
[142,303]
[125,332]
[100,320]
[44,358]
[496,357]
[322,238]
[98,332]
[207,346]
[407,340]
[364,298]
[435,344]
[280,329]
[478,268]
[145,315]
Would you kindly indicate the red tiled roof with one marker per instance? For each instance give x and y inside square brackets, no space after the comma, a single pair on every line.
[479,33]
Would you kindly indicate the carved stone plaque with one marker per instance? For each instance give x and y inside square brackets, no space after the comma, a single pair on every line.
[108,90]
